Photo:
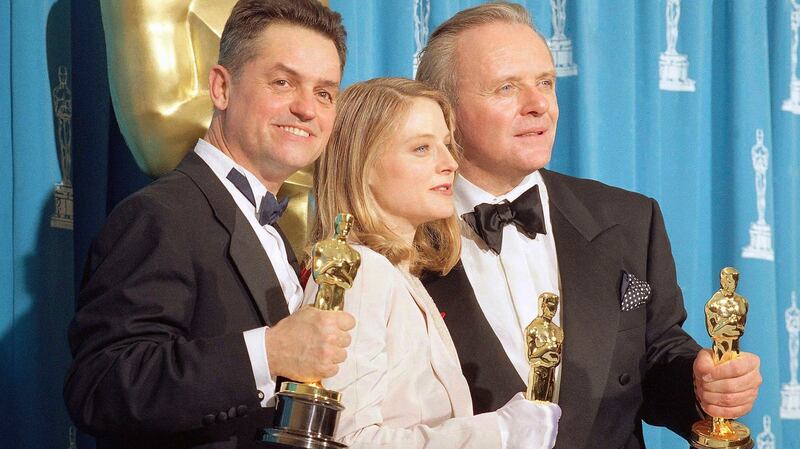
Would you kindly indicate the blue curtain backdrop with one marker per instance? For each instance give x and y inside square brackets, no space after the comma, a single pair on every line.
[36,259]
[688,102]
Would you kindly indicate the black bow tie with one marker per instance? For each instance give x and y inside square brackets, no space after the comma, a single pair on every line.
[270,208]
[524,212]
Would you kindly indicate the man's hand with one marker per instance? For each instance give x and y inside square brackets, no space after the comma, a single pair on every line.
[727,390]
[307,345]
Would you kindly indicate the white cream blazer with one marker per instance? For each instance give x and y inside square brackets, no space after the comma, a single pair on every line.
[401,384]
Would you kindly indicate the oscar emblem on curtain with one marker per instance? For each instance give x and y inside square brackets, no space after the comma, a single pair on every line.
[64,197]
[760,246]
[560,45]
[73,438]
[766,439]
[792,104]
[673,67]
[422,16]
[790,393]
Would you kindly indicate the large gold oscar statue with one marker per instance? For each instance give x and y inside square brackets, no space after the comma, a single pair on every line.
[726,314]
[159,55]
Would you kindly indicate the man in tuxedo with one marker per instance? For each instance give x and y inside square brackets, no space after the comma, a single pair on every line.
[182,325]
[527,230]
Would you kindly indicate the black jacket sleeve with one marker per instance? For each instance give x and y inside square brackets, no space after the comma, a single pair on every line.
[139,367]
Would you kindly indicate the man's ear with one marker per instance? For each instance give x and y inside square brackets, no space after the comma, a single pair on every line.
[219,86]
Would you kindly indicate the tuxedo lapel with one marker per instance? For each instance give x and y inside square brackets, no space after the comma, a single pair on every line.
[257,272]
[589,262]
[491,377]
[245,250]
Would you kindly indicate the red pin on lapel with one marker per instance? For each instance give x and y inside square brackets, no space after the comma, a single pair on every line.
[305,273]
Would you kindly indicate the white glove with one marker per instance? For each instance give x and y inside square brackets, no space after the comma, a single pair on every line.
[526,424]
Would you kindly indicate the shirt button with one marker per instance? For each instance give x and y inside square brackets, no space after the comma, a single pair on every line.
[624,379]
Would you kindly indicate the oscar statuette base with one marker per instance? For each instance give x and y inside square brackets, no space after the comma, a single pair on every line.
[64,199]
[760,246]
[792,104]
[305,417]
[703,438]
[561,49]
[790,401]
[673,73]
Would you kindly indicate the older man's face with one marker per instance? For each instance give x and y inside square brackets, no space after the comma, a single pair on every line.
[507,110]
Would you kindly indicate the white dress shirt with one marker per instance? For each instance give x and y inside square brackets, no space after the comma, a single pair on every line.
[507,286]
[273,246]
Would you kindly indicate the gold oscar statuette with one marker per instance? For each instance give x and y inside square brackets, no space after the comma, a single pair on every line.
[726,313]
[544,340]
[306,413]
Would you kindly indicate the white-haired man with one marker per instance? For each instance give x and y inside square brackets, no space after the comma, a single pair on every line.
[528,230]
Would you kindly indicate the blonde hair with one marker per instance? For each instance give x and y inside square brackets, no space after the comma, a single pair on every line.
[368,114]
[437,62]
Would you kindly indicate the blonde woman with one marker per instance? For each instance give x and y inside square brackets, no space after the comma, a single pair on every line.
[391,162]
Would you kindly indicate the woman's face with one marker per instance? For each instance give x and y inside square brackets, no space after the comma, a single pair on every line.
[412,181]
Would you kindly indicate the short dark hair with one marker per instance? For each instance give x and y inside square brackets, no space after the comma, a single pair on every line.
[249,19]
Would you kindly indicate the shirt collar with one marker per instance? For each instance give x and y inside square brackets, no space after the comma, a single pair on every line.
[468,195]
[221,164]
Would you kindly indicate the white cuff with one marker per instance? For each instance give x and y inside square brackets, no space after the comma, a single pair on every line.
[255,340]
[526,424]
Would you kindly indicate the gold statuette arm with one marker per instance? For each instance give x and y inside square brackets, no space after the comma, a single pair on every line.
[159,55]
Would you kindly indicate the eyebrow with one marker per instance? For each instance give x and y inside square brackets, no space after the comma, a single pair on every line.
[546,73]
[550,73]
[429,136]
[294,73]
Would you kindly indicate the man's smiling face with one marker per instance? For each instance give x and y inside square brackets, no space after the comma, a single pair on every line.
[281,105]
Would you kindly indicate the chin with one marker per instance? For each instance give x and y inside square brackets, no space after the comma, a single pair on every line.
[534,163]
[299,164]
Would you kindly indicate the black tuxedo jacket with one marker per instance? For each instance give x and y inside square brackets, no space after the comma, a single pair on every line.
[617,367]
[171,282]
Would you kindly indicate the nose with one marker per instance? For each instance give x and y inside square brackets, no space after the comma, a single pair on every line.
[447,163]
[535,102]
[303,105]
